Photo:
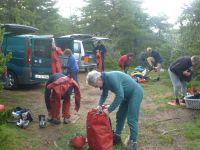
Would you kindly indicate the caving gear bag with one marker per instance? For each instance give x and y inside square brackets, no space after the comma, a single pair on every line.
[77,141]
[23,116]
[99,131]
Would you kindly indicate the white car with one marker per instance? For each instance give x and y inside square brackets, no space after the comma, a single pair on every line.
[83,47]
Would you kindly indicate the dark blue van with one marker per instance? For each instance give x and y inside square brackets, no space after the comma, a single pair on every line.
[31,55]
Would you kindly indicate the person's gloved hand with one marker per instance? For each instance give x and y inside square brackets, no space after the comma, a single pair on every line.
[99,108]
[106,112]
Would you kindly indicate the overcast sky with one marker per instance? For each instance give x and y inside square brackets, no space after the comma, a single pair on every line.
[172,8]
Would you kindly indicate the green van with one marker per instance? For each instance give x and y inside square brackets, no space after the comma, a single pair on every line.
[31,55]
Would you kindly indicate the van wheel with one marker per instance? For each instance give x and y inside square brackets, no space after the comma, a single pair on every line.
[10,81]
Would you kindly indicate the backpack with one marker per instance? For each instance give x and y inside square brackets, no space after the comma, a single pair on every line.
[99,131]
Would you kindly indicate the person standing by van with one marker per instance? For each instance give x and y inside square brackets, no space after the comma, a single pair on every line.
[99,61]
[56,66]
[102,49]
[71,65]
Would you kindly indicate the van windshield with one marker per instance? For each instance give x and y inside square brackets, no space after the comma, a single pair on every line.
[88,46]
[42,48]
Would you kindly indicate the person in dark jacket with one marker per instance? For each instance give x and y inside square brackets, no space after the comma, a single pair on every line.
[128,96]
[71,65]
[102,49]
[60,87]
[152,58]
[180,73]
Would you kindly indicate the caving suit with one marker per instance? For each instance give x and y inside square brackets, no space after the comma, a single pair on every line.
[61,89]
[128,96]
[99,61]
[56,67]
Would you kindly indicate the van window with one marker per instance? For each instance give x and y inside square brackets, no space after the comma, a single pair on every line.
[88,47]
[42,48]
[77,47]
[15,44]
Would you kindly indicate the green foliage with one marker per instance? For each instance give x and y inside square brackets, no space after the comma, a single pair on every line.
[38,13]
[192,133]
[111,63]
[166,139]
[5,115]
[3,59]
[124,21]
[9,138]
[190,28]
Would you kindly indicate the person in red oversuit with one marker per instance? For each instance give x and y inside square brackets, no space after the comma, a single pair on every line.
[56,67]
[99,61]
[60,87]
[123,62]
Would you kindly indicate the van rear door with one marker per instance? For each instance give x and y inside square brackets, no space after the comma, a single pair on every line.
[88,46]
[65,42]
[41,57]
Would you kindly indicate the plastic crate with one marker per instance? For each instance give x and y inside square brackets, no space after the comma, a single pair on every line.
[192,103]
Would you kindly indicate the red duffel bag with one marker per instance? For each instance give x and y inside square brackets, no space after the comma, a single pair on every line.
[99,132]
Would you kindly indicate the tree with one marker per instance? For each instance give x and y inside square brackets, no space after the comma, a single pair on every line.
[190,28]
[124,21]
[38,13]
[3,59]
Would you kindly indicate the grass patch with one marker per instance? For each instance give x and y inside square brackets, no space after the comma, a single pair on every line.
[192,134]
[193,145]
[147,112]
[11,137]
[166,139]
[64,143]
[192,130]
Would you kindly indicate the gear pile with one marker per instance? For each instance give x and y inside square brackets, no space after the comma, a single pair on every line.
[22,116]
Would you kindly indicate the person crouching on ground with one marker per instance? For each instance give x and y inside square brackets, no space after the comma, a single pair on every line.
[124,62]
[180,73]
[128,96]
[60,87]
[153,59]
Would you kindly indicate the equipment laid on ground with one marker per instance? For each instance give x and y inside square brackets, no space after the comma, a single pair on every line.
[23,117]
[139,74]
[42,121]
[78,141]
[99,131]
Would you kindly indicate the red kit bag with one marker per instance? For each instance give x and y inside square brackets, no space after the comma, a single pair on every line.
[99,132]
